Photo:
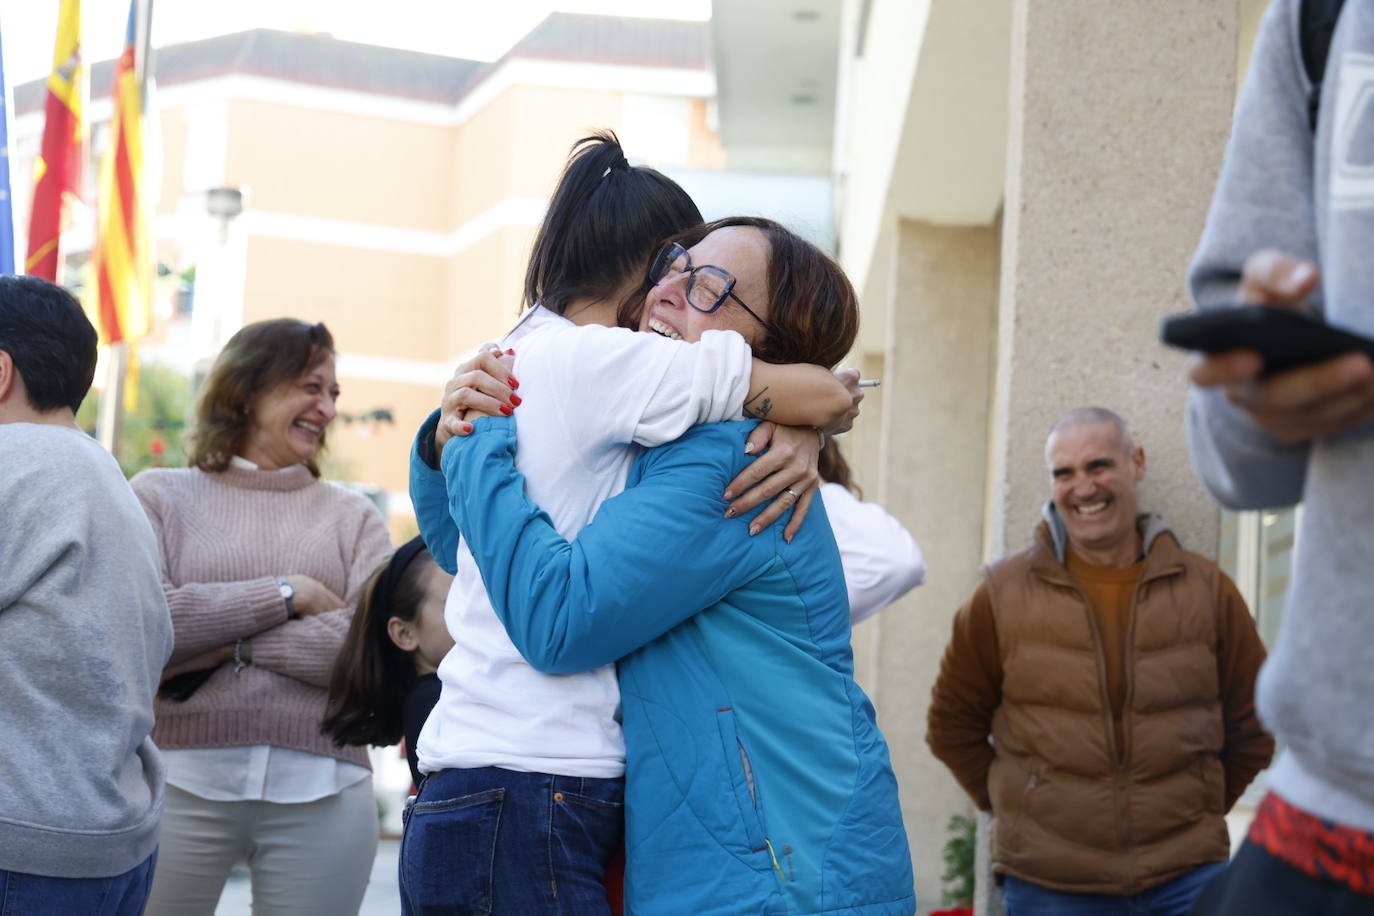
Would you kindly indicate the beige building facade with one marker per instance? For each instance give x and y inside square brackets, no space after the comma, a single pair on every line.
[391,194]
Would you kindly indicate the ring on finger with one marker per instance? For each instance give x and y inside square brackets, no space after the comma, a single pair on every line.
[791,492]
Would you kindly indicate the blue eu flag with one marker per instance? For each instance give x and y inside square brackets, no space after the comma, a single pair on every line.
[6,210]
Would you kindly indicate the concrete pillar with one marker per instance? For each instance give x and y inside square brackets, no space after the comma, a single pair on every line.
[932,454]
[1118,122]
[1118,119]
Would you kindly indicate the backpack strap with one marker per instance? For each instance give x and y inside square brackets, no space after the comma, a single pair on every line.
[1317,23]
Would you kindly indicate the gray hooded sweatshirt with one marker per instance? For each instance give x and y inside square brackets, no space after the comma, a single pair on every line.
[1282,187]
[84,632]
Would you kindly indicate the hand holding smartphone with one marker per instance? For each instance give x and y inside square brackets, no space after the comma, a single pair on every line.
[1283,338]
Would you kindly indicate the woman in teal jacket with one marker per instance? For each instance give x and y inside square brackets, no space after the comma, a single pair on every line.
[757,780]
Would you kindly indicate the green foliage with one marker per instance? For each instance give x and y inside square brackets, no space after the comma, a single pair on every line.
[164,397]
[959,855]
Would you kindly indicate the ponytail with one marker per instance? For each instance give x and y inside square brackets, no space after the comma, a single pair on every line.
[834,469]
[603,223]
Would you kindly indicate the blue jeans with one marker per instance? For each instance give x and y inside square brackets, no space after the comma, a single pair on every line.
[492,841]
[35,895]
[1172,898]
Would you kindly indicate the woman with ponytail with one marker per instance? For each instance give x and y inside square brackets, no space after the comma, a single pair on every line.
[543,757]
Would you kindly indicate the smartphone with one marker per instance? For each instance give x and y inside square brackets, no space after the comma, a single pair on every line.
[1283,338]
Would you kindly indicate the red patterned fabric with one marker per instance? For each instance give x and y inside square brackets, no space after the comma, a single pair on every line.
[1317,848]
[615,882]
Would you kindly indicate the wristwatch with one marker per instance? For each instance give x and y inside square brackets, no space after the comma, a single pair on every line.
[288,595]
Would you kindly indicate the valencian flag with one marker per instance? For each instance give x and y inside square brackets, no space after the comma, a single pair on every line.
[123,259]
[59,164]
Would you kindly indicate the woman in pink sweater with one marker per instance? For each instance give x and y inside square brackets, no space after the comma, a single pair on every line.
[262,563]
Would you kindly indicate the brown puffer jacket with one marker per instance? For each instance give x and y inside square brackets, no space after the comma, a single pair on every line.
[1073,811]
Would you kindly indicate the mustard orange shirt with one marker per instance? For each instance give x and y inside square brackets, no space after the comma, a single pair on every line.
[1110,591]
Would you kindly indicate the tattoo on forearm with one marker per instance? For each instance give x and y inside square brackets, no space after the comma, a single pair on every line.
[759,406]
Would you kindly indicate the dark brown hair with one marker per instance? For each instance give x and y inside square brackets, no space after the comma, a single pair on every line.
[372,674]
[813,311]
[257,359]
[834,469]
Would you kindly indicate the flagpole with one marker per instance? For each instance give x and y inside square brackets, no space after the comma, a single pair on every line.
[111,420]
[110,423]
[143,50]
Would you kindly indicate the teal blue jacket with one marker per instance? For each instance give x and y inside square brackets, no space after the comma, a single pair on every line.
[757,779]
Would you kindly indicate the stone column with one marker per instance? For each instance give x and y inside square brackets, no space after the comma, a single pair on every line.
[1119,115]
[932,455]
[1118,119]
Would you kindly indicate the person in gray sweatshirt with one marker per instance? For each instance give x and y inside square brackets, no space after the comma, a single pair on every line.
[85,631]
[1292,226]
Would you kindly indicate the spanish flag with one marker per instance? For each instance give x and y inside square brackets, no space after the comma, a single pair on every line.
[123,257]
[58,166]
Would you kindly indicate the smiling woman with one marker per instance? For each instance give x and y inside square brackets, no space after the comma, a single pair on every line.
[262,565]
[269,398]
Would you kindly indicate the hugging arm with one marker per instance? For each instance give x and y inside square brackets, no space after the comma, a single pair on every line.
[680,385]
[651,558]
[800,394]
[429,496]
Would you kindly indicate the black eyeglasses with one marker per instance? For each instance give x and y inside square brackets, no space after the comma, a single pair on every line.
[708,286]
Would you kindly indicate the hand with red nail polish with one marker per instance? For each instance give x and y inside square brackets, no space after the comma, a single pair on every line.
[480,387]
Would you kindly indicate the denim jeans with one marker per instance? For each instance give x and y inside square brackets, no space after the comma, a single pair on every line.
[1172,898]
[493,841]
[35,895]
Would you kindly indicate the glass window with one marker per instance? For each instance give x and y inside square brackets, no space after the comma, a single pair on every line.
[1256,551]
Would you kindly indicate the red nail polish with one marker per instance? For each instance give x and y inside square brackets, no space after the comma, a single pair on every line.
[510,352]
[515,400]
[506,410]
[513,382]
[467,427]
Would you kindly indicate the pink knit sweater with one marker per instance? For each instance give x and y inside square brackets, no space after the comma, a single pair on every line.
[224,539]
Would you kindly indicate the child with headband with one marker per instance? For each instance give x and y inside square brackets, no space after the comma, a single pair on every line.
[384,682]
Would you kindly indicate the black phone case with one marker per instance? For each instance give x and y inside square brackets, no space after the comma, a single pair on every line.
[1283,338]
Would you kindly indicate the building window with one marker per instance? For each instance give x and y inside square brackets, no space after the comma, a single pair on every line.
[1256,551]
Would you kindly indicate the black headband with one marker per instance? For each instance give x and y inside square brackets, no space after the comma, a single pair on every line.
[391,577]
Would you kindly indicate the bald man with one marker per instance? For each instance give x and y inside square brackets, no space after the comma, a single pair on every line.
[1097,695]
